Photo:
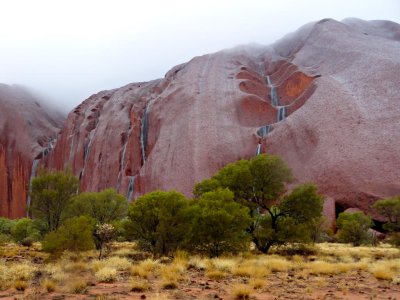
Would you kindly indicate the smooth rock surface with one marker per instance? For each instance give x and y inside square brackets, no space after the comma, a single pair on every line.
[26,129]
[337,87]
[338,81]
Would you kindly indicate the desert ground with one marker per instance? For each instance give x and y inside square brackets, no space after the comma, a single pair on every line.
[323,271]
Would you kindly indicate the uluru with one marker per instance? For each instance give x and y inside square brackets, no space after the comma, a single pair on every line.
[325,98]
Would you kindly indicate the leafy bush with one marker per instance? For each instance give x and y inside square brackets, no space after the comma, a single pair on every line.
[292,220]
[218,224]
[6,225]
[259,183]
[105,206]
[158,222]
[353,228]
[390,208]
[76,234]
[24,228]
[51,192]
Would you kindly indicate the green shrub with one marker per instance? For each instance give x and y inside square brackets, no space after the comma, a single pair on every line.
[6,225]
[105,206]
[51,192]
[157,221]
[218,224]
[76,234]
[353,228]
[24,228]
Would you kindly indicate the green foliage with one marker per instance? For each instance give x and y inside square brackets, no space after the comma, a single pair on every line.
[51,192]
[24,228]
[5,230]
[207,185]
[75,234]
[259,183]
[6,225]
[321,230]
[353,228]
[390,208]
[218,224]
[259,180]
[105,206]
[277,229]
[158,221]
[302,204]
[292,220]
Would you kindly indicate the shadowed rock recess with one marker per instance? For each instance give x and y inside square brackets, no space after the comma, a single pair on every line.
[325,98]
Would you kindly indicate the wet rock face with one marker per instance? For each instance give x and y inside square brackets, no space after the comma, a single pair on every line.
[325,98]
[345,135]
[25,132]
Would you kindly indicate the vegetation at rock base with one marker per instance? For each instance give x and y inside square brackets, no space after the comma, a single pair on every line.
[217,224]
[178,243]
[353,228]
[259,183]
[390,208]
[51,193]
[75,234]
[158,221]
[105,206]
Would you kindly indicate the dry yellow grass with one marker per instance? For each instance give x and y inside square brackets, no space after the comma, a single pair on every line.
[222,264]
[75,266]
[215,274]
[322,267]
[118,263]
[243,270]
[277,264]
[49,285]
[241,291]
[385,269]
[106,274]
[21,271]
[77,286]
[20,285]
[197,263]
[257,283]
[139,285]
[328,260]
[145,268]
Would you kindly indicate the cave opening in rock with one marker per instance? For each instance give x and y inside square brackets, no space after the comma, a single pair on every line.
[339,208]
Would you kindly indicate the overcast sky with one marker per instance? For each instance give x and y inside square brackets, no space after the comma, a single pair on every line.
[68,50]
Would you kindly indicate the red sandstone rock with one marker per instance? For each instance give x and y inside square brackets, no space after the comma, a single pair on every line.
[25,131]
[339,82]
[346,136]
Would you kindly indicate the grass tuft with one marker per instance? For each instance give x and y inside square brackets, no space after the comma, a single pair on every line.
[241,291]
[49,285]
[106,274]
[139,285]
[215,274]
[77,286]
[20,285]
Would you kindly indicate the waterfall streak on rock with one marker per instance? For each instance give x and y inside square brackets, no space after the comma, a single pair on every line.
[281,113]
[143,134]
[35,164]
[258,149]
[131,187]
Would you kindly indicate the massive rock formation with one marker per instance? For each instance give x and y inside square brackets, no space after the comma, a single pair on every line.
[347,135]
[325,98]
[26,134]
